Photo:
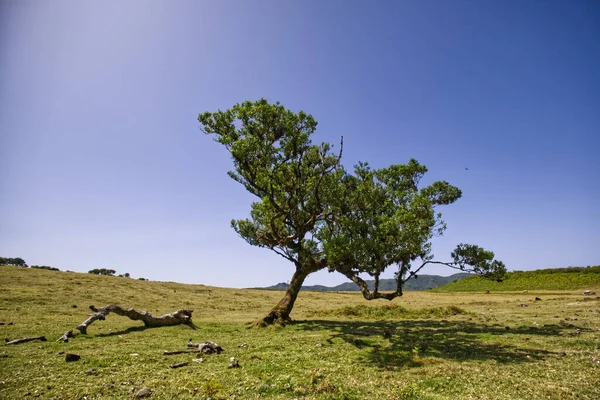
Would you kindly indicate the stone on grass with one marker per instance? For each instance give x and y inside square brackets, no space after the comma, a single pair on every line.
[143,392]
[70,357]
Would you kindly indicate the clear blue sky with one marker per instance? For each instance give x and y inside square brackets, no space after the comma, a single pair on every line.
[102,164]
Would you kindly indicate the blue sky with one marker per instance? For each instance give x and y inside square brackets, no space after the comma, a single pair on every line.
[102,164]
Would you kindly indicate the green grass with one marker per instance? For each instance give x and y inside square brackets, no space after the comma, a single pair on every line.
[422,346]
[547,279]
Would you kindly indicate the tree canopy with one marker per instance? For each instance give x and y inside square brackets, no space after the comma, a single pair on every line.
[317,215]
[18,261]
[102,271]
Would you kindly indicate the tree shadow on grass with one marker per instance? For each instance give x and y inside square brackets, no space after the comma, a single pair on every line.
[139,329]
[407,343]
[123,331]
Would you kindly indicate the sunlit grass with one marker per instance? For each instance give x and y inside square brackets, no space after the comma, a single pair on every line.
[421,346]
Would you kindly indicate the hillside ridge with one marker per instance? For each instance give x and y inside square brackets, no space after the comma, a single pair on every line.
[423,282]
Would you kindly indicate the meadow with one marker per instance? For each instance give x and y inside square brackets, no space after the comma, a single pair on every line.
[424,345]
[572,278]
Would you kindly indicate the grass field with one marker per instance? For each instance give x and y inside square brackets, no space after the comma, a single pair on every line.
[545,279]
[422,346]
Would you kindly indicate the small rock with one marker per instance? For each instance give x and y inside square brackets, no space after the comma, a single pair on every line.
[10,323]
[69,357]
[143,392]
[134,355]
[198,360]
[233,363]
[319,344]
[131,390]
[538,299]
[90,371]
[243,345]
[563,354]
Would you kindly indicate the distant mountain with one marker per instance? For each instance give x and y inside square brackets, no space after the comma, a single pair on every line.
[423,282]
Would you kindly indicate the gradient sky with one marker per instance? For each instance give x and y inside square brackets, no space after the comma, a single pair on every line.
[102,164]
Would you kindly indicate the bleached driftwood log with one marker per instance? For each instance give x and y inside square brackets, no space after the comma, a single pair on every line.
[178,317]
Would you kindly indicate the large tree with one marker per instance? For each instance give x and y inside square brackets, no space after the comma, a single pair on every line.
[315,214]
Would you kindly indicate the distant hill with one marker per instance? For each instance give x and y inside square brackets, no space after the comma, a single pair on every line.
[572,278]
[423,282]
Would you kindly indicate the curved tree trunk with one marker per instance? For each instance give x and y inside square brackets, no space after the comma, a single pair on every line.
[280,314]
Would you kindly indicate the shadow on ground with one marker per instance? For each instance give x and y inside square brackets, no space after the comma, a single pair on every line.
[139,329]
[407,343]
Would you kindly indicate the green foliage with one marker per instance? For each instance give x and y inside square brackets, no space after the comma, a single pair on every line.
[383,218]
[544,279]
[17,261]
[314,213]
[275,160]
[46,267]
[481,261]
[102,271]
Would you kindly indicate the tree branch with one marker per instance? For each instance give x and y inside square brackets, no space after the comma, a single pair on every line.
[178,317]
[364,288]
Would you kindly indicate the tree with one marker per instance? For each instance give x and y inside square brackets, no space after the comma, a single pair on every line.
[17,261]
[102,271]
[313,213]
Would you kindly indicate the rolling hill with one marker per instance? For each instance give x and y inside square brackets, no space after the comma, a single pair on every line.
[571,278]
[423,282]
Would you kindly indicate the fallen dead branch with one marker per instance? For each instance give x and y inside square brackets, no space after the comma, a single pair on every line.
[207,347]
[24,340]
[179,317]
[173,352]
[179,365]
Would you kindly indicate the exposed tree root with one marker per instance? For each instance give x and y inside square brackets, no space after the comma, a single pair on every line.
[178,317]
[275,317]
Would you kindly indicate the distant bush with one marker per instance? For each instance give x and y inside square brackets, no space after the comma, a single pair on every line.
[102,271]
[142,279]
[17,261]
[45,267]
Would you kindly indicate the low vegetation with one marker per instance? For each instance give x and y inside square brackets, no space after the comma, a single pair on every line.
[572,278]
[393,311]
[423,345]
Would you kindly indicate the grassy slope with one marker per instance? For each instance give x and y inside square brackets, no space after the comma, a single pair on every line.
[436,346]
[545,279]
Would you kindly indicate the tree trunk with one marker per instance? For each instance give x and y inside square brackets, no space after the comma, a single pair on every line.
[280,314]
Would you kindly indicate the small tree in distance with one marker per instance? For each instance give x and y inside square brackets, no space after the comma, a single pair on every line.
[102,271]
[17,261]
[315,214]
